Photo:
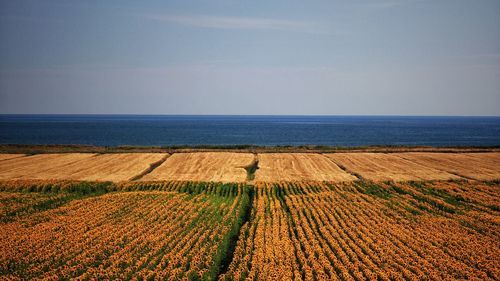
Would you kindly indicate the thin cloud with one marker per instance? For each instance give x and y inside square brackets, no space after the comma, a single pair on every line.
[382,4]
[223,22]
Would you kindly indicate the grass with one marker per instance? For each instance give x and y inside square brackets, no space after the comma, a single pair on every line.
[225,252]
[370,188]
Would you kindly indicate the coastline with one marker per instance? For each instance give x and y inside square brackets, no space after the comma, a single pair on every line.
[70,148]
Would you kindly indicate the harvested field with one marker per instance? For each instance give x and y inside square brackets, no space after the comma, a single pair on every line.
[236,167]
[203,166]
[104,167]
[10,156]
[384,167]
[31,165]
[479,166]
[275,167]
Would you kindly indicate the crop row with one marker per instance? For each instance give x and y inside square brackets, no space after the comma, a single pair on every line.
[149,235]
[293,230]
[362,231]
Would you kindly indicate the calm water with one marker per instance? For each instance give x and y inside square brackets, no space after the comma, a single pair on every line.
[110,130]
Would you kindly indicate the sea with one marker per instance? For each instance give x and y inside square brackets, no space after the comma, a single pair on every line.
[179,130]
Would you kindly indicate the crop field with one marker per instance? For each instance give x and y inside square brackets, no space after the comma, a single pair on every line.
[479,166]
[245,216]
[205,166]
[153,234]
[89,167]
[298,166]
[365,231]
[385,167]
[268,231]
[31,165]
[10,156]
[247,167]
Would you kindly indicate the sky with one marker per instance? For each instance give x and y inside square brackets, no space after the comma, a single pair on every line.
[352,57]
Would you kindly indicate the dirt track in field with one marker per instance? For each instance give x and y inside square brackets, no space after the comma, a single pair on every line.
[479,166]
[384,167]
[299,167]
[203,166]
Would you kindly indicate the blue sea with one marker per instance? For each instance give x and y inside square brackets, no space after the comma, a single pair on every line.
[169,130]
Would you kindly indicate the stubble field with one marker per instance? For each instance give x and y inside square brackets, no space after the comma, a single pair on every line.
[204,166]
[80,166]
[299,166]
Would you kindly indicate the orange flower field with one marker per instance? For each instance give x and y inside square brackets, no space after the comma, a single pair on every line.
[266,231]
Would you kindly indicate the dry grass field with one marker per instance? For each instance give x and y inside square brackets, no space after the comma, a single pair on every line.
[203,166]
[240,167]
[10,156]
[480,166]
[384,167]
[274,167]
[89,167]
[104,167]
[31,165]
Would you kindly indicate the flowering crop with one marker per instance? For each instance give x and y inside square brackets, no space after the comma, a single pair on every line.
[360,231]
[152,234]
[270,231]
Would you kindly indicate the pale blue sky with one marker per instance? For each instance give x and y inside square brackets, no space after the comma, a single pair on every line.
[359,57]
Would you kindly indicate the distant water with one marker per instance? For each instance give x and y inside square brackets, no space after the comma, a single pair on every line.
[112,130]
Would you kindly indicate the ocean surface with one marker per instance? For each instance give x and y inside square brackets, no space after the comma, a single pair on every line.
[149,130]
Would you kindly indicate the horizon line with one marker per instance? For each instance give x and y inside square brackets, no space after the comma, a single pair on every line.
[239,115]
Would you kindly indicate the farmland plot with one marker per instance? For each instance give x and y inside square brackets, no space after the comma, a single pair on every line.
[488,158]
[31,165]
[480,166]
[203,166]
[275,167]
[384,167]
[145,235]
[104,167]
[10,156]
[361,231]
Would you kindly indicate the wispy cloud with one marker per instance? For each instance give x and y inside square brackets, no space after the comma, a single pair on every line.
[224,22]
[382,4]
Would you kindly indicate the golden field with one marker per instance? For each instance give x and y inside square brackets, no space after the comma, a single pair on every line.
[203,166]
[244,216]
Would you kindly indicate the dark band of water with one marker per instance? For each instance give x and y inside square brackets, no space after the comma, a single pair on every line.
[112,130]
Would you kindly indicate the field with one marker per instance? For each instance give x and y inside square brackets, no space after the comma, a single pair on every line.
[31,165]
[384,167]
[485,166]
[298,166]
[314,231]
[120,235]
[9,156]
[244,216]
[82,166]
[207,166]
[366,231]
